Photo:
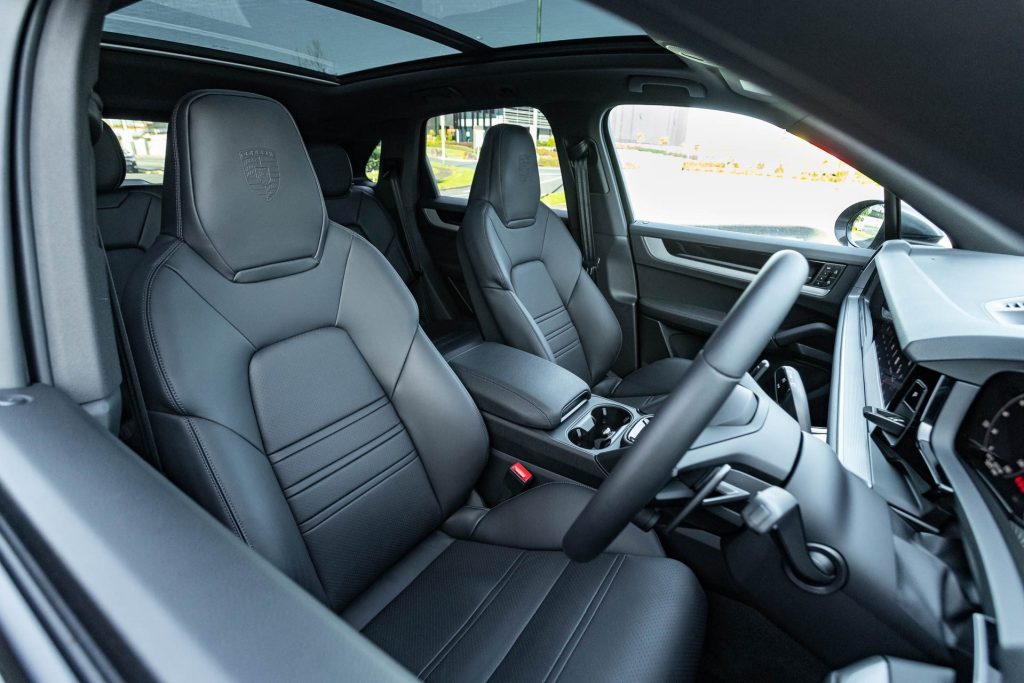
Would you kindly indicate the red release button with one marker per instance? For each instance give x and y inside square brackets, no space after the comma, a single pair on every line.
[521,473]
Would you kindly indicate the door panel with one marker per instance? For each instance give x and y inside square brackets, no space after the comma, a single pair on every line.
[688,278]
[439,220]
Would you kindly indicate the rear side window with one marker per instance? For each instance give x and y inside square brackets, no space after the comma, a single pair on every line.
[372,170]
[453,144]
[714,169]
[144,144]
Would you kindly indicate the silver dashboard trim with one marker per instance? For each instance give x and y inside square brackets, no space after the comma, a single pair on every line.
[656,247]
[847,433]
[1001,577]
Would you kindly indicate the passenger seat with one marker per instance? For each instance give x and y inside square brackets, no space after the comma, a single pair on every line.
[358,208]
[129,217]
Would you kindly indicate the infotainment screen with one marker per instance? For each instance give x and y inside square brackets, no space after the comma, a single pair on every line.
[893,366]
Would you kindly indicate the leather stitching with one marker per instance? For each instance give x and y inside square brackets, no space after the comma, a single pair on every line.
[484,378]
[527,493]
[585,620]
[586,356]
[327,431]
[515,641]
[341,463]
[212,307]
[467,626]
[211,473]
[151,336]
[381,478]
[213,422]
[571,346]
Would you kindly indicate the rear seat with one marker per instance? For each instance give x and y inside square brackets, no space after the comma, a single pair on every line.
[129,217]
[129,220]
[358,208]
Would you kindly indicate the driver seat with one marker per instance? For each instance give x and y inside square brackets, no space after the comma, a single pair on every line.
[293,394]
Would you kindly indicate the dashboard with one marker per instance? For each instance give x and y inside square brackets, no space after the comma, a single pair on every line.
[893,365]
[935,337]
[991,440]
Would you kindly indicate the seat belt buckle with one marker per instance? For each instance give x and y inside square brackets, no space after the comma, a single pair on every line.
[518,478]
[590,265]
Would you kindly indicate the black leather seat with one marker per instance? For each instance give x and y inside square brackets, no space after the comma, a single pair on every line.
[358,208]
[129,217]
[294,395]
[526,279]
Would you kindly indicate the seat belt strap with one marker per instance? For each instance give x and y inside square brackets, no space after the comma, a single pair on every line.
[140,436]
[579,158]
[394,191]
[437,302]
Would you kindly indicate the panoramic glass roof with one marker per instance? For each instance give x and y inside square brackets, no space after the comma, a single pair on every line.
[501,23]
[310,35]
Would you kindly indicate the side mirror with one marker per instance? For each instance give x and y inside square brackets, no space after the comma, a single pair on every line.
[861,225]
[917,229]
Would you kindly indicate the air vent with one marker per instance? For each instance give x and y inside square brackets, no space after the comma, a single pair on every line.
[1007,311]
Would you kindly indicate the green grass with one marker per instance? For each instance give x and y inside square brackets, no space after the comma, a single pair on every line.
[555,200]
[449,177]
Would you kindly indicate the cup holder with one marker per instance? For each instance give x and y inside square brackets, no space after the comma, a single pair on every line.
[598,429]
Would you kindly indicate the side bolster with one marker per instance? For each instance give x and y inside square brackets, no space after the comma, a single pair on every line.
[443,422]
[235,483]
[598,328]
[441,418]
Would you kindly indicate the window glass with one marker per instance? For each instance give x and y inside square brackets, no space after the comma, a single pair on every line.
[500,23]
[453,144]
[372,170]
[144,144]
[292,32]
[732,172]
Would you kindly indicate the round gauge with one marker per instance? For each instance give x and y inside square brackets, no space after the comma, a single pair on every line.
[1003,442]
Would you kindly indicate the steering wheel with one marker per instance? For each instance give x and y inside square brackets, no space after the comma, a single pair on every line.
[707,383]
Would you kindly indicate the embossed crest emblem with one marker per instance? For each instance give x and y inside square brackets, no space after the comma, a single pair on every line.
[524,165]
[261,171]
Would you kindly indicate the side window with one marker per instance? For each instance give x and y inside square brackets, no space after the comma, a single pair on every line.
[144,144]
[453,144]
[372,169]
[713,169]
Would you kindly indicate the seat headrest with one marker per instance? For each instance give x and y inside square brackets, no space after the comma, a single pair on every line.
[333,167]
[240,188]
[109,160]
[507,177]
[95,111]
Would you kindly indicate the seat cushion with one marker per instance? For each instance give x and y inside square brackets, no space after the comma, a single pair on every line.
[515,608]
[647,387]
[487,612]
[539,518]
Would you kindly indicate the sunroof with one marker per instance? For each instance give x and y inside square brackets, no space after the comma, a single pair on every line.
[310,35]
[502,23]
[293,32]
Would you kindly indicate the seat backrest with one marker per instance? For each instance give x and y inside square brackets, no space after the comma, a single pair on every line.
[129,217]
[290,388]
[357,207]
[523,268]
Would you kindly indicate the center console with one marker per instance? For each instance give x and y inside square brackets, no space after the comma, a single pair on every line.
[540,412]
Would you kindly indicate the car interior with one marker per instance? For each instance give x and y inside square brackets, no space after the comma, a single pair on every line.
[498,340]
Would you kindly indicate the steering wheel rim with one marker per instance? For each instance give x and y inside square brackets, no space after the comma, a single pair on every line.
[732,349]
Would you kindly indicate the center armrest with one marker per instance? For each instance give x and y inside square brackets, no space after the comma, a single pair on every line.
[518,386]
